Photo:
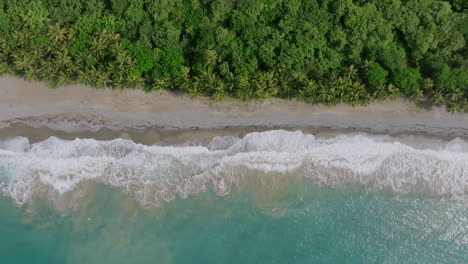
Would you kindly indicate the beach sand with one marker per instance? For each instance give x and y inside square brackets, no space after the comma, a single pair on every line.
[74,109]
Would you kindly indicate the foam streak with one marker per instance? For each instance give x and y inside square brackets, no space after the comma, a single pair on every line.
[152,174]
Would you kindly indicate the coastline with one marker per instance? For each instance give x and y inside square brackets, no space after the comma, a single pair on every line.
[79,108]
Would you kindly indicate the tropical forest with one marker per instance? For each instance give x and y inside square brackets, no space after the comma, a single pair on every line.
[317,51]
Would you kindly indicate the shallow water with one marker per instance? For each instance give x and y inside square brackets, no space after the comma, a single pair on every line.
[270,197]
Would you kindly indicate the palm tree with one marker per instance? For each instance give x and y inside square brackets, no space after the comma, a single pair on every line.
[264,85]
[57,34]
[359,94]
[272,84]
[118,78]
[308,92]
[98,45]
[230,82]
[393,91]
[436,97]
[327,94]
[4,68]
[32,73]
[70,33]
[100,78]
[285,82]
[22,61]
[351,72]
[380,92]
[219,90]
[182,80]
[62,78]
[196,87]
[211,58]
[124,60]
[37,55]
[160,84]
[4,45]
[48,69]
[20,37]
[62,59]
[35,16]
[244,89]
[84,77]
[135,81]
[455,94]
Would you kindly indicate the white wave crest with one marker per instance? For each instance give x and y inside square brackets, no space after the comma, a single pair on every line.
[152,174]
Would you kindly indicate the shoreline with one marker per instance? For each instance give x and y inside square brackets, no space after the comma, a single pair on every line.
[79,109]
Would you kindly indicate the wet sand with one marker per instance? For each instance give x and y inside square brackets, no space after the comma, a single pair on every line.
[80,109]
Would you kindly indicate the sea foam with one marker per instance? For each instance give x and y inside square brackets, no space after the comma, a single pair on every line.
[56,167]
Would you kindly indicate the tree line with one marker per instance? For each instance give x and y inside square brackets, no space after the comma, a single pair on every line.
[330,51]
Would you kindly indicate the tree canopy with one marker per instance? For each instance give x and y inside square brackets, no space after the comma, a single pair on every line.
[330,51]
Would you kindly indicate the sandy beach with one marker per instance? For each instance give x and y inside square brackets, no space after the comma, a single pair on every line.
[79,108]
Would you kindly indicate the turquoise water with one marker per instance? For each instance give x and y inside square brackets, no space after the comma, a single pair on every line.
[309,224]
[272,197]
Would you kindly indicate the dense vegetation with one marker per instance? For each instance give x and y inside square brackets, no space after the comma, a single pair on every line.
[328,51]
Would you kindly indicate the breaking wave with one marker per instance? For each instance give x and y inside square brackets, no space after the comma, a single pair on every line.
[57,168]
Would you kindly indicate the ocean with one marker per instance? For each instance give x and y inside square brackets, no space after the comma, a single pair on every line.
[264,197]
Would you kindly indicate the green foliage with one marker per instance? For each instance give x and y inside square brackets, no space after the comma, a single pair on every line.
[375,75]
[4,22]
[452,85]
[392,56]
[459,5]
[119,6]
[342,51]
[143,54]
[64,11]
[408,80]
[169,63]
